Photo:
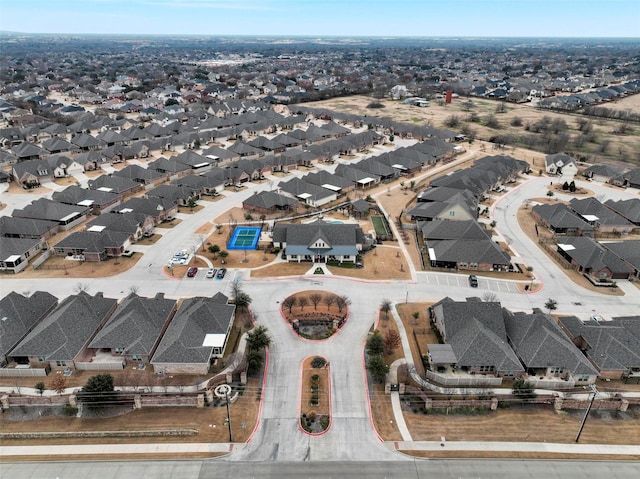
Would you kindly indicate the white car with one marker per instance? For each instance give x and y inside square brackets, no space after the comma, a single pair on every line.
[211,273]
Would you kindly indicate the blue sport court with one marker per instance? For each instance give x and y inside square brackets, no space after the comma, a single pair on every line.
[244,238]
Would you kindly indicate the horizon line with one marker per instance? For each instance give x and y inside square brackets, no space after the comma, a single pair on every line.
[274,35]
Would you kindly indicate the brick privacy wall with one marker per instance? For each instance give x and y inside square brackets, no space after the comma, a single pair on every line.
[612,405]
[156,401]
[38,401]
[99,434]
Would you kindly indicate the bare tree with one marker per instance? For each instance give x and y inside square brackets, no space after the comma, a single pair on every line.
[81,287]
[490,297]
[385,307]
[330,300]
[342,302]
[392,340]
[58,383]
[302,302]
[290,302]
[134,288]
[315,298]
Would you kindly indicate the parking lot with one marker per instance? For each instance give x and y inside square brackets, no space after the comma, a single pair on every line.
[457,280]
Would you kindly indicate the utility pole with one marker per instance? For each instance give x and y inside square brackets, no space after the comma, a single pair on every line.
[586,414]
[226,396]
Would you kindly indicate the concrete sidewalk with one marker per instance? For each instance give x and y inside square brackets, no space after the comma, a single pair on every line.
[7,452]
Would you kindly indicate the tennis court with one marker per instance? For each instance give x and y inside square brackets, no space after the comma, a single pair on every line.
[244,237]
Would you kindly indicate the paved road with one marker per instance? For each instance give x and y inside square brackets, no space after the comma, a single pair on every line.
[418,469]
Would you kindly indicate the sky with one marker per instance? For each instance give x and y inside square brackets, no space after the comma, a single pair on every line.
[416,18]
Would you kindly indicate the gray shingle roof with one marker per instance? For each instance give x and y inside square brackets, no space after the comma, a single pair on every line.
[610,345]
[196,317]
[65,332]
[74,194]
[468,251]
[559,216]
[45,209]
[445,229]
[475,330]
[16,226]
[540,343]
[136,325]
[15,246]
[269,199]
[630,209]
[606,216]
[19,314]
[591,255]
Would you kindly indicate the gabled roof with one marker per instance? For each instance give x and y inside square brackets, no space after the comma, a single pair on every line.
[65,332]
[37,168]
[301,189]
[269,199]
[171,192]
[327,180]
[17,226]
[148,206]
[468,251]
[445,229]
[540,343]
[342,238]
[199,181]
[122,222]
[628,251]
[611,346]
[10,247]
[93,241]
[590,207]
[603,170]
[84,140]
[475,330]
[135,172]
[630,209]
[19,314]
[75,195]
[136,325]
[169,165]
[559,159]
[559,216]
[115,184]
[45,209]
[183,341]
[590,255]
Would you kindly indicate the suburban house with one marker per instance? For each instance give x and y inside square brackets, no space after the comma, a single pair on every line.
[93,245]
[550,359]
[180,195]
[16,227]
[19,314]
[319,242]
[466,254]
[560,219]
[15,252]
[99,201]
[629,209]
[268,202]
[29,174]
[600,217]
[602,172]
[142,175]
[115,184]
[560,164]
[592,259]
[613,347]
[457,207]
[62,166]
[158,208]
[628,251]
[67,216]
[308,193]
[169,166]
[197,334]
[477,345]
[205,184]
[361,178]
[136,225]
[133,331]
[334,183]
[61,338]
[629,178]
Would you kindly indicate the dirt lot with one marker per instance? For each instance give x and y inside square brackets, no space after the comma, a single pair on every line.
[436,114]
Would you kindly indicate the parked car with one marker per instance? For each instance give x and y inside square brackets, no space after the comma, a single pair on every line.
[473,281]
[211,272]
[221,273]
[191,272]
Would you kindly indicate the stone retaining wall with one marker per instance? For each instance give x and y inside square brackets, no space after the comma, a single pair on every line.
[99,434]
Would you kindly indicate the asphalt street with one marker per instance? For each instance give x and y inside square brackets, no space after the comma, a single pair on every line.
[410,469]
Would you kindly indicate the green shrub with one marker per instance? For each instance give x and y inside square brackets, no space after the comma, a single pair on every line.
[69,410]
[318,362]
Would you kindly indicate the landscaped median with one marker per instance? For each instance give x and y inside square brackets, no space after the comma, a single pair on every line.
[315,396]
